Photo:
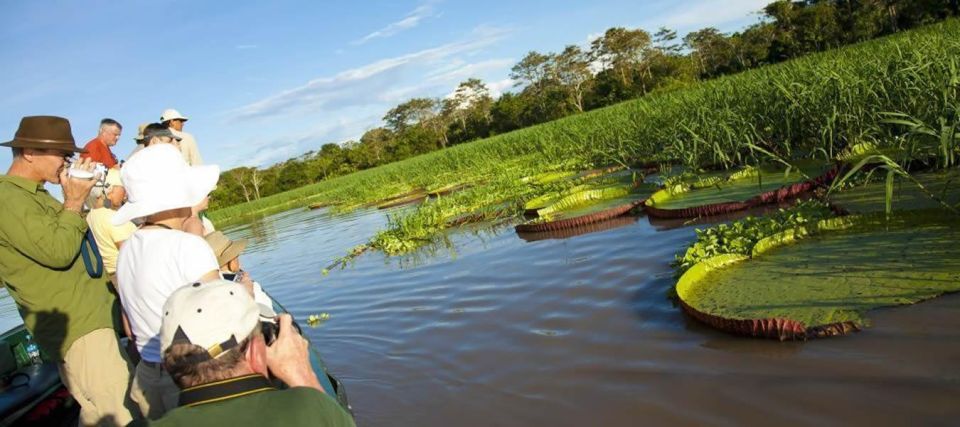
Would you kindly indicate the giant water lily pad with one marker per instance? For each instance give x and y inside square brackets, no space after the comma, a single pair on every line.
[591,180]
[869,198]
[741,190]
[589,206]
[795,288]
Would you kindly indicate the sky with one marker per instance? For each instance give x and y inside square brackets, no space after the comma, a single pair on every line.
[262,81]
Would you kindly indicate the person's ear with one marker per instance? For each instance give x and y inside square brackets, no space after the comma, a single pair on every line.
[28,155]
[256,355]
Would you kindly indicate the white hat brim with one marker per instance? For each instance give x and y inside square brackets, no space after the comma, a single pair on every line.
[200,180]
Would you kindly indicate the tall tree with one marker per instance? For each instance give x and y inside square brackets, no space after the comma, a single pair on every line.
[665,40]
[414,111]
[572,70]
[622,51]
[377,140]
[532,70]
[712,51]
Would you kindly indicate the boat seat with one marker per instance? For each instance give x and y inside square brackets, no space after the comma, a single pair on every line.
[27,385]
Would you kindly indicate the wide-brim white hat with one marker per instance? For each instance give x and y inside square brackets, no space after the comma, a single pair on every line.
[158,179]
[171,114]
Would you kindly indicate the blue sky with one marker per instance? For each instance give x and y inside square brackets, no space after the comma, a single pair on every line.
[266,81]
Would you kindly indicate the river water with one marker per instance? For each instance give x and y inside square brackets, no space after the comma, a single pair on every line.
[494,329]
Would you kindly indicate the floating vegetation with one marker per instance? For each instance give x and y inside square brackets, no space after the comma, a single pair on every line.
[415,196]
[314,320]
[820,280]
[935,189]
[547,177]
[745,189]
[741,236]
[588,206]
[587,180]
[444,190]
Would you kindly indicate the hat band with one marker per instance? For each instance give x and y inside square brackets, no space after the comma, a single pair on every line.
[212,352]
[54,141]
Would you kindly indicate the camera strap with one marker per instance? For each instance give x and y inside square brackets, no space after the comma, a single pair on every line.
[92,260]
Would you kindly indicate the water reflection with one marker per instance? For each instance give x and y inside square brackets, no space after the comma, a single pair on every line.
[9,316]
[610,224]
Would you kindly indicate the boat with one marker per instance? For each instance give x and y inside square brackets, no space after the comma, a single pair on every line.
[30,389]
[31,393]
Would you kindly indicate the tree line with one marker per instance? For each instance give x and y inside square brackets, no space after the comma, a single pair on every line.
[621,64]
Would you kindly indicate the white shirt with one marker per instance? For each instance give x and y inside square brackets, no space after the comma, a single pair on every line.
[188,147]
[152,264]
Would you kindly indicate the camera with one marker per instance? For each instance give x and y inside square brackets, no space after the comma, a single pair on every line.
[82,174]
[271,330]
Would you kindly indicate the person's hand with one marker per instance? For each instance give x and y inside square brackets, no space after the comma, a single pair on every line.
[75,191]
[289,357]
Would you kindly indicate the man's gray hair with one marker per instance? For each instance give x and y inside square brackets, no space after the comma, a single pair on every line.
[109,122]
[189,364]
[96,193]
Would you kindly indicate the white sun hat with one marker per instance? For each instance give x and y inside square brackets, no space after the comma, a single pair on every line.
[171,114]
[216,315]
[158,179]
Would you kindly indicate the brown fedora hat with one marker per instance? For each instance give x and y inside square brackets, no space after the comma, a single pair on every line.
[45,133]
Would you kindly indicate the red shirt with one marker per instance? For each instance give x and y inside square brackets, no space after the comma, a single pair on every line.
[97,151]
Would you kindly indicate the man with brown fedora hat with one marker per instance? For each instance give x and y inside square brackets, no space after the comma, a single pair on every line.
[68,311]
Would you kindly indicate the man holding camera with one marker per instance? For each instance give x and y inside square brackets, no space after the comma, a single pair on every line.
[215,351]
[67,311]
[159,257]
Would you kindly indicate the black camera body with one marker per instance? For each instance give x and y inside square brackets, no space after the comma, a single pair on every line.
[271,330]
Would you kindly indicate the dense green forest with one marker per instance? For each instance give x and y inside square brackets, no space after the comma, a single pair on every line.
[621,64]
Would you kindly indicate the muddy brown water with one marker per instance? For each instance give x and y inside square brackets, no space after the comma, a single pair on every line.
[490,329]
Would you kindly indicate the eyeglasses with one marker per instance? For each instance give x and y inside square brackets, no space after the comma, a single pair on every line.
[67,155]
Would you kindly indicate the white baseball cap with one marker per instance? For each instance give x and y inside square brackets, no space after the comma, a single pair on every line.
[158,179]
[215,315]
[171,114]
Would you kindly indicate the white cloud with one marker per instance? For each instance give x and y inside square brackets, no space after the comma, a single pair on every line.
[245,46]
[409,21]
[264,151]
[372,82]
[692,16]
[591,37]
[465,70]
[497,88]
[343,105]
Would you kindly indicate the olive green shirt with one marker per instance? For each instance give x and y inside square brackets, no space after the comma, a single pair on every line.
[293,407]
[40,266]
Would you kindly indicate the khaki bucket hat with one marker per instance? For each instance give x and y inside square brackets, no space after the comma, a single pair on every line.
[224,248]
[140,129]
[44,133]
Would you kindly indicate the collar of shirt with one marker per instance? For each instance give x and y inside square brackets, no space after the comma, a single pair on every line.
[24,183]
[226,389]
